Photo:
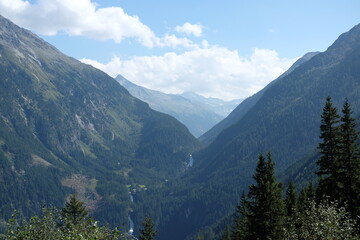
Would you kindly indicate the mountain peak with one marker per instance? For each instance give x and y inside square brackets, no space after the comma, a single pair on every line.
[346,42]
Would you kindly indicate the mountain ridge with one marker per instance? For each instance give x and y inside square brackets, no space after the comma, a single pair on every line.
[66,127]
[198,113]
[247,104]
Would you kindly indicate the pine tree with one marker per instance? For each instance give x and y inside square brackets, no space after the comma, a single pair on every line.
[348,177]
[266,207]
[329,149]
[148,231]
[74,211]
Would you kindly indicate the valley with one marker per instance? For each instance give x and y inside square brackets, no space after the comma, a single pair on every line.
[181,161]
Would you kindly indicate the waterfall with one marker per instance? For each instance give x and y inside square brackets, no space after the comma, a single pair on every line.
[191,161]
[131,230]
[131,223]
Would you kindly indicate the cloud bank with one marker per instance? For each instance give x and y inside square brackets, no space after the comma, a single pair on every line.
[214,71]
[203,68]
[84,18]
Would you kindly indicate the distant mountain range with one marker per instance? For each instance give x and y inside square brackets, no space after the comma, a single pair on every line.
[66,127]
[283,118]
[198,113]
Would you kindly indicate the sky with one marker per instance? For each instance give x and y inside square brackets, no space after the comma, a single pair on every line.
[227,49]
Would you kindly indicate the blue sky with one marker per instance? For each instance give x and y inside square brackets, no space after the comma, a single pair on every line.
[226,49]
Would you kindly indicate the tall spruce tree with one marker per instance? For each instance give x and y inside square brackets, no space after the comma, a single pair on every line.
[348,177]
[305,197]
[148,231]
[329,150]
[266,206]
[241,223]
[74,211]
[291,200]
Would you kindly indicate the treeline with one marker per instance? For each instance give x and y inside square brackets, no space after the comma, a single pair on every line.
[329,211]
[69,223]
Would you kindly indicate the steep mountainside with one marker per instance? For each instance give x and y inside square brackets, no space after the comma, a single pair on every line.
[284,120]
[199,114]
[246,105]
[66,127]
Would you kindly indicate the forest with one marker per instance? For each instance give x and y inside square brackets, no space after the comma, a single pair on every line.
[327,209]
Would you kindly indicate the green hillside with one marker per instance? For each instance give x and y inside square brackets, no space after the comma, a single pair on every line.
[66,127]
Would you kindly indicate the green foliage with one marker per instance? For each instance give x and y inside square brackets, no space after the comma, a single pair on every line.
[261,215]
[266,206]
[50,226]
[329,133]
[325,221]
[329,149]
[226,234]
[241,219]
[340,160]
[74,211]
[291,200]
[306,195]
[147,232]
[348,175]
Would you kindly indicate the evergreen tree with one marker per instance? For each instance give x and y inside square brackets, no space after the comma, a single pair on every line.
[148,231]
[226,234]
[240,229]
[348,177]
[266,207]
[329,149]
[74,211]
[291,200]
[305,197]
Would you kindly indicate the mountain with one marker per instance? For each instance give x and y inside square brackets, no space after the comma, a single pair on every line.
[247,104]
[66,127]
[285,120]
[220,107]
[198,113]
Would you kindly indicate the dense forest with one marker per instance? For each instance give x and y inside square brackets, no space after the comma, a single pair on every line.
[328,211]
[331,211]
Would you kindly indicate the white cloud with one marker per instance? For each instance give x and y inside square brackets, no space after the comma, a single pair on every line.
[188,28]
[84,18]
[214,71]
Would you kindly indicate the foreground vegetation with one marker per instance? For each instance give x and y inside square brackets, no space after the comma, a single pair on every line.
[70,223]
[331,211]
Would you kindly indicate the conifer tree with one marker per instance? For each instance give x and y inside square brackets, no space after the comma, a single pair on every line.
[226,234]
[291,200]
[148,231]
[348,176]
[241,223]
[266,207]
[74,211]
[329,150]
